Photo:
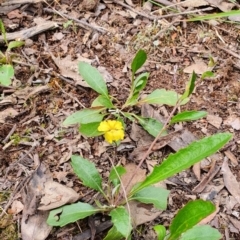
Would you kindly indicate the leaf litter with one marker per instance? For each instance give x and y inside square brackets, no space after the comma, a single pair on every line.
[111,53]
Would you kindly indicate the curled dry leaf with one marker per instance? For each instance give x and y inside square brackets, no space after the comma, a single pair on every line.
[56,195]
[230,180]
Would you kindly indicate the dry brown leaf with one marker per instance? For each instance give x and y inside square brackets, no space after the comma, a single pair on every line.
[232,158]
[197,170]
[138,177]
[56,195]
[69,68]
[230,180]
[198,67]
[235,222]
[16,208]
[212,172]
[214,120]
[34,223]
[9,112]
[194,3]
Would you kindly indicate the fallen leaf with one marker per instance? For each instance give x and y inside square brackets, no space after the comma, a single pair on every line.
[230,181]
[34,223]
[56,195]
[214,120]
[69,68]
[16,207]
[232,158]
[9,112]
[198,67]
[139,176]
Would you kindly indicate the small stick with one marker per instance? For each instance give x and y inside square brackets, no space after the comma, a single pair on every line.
[133,10]
[99,29]
[10,133]
[229,52]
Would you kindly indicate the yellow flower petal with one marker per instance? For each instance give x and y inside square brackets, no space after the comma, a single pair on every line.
[104,127]
[113,130]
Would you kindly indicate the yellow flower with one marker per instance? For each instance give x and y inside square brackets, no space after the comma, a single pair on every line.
[113,130]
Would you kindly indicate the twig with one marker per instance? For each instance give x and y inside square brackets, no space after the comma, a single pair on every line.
[134,10]
[99,29]
[75,99]
[229,52]
[10,133]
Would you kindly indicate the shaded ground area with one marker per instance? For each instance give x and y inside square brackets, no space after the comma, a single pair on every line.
[47,88]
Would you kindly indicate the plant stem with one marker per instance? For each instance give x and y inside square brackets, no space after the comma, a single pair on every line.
[151,146]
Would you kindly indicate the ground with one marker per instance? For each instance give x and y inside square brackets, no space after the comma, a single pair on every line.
[47,88]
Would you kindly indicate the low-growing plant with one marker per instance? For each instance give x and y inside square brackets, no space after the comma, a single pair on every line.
[107,118]
[6,68]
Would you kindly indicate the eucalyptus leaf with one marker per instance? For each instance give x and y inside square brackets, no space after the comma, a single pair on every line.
[93,77]
[188,116]
[84,116]
[102,101]
[6,73]
[188,216]
[138,61]
[152,195]
[113,234]
[161,231]
[162,96]
[87,172]
[201,232]
[90,129]
[152,126]
[121,221]
[185,158]
[70,213]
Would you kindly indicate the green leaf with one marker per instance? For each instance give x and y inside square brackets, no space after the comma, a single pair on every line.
[216,15]
[70,213]
[162,96]
[152,126]
[102,101]
[6,73]
[93,77]
[138,61]
[190,86]
[114,173]
[140,82]
[185,158]
[87,172]
[201,232]
[187,217]
[207,74]
[113,234]
[121,221]
[188,116]
[161,231]
[152,195]
[15,44]
[90,129]
[3,31]
[86,115]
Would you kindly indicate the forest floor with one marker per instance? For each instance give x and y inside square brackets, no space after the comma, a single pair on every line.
[47,88]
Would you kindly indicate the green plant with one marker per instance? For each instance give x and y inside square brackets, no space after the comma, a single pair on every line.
[183,226]
[105,106]
[115,199]
[6,68]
